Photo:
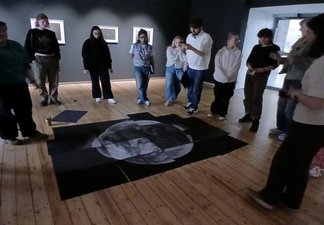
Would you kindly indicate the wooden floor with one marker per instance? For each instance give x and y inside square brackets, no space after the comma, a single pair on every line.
[212,191]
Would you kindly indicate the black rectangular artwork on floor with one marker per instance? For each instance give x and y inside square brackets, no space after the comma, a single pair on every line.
[69,116]
[95,156]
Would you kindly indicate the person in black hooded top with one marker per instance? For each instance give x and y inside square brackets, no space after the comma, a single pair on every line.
[97,61]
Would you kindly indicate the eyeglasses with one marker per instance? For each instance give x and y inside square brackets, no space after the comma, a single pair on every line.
[142,37]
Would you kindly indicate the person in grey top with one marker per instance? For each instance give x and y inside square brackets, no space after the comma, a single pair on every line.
[142,55]
[295,66]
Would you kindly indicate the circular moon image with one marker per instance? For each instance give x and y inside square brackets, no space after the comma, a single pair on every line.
[144,142]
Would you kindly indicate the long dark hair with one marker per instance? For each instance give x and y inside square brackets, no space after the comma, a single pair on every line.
[96,28]
[316,24]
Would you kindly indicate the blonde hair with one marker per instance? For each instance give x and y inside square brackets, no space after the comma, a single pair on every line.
[174,39]
[231,35]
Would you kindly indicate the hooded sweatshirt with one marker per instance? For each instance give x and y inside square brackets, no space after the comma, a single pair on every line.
[95,53]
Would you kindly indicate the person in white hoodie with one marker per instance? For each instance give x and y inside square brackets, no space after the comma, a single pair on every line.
[227,65]
[176,65]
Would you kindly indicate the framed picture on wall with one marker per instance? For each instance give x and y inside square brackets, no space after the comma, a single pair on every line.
[109,33]
[149,33]
[55,25]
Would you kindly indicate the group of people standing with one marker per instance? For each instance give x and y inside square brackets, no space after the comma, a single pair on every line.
[289,171]
[302,103]
[191,56]
[44,54]
[40,56]
[300,113]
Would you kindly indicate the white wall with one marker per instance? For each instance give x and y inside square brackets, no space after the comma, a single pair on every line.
[263,17]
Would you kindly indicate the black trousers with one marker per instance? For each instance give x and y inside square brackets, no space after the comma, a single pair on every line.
[253,91]
[223,93]
[289,171]
[105,84]
[15,108]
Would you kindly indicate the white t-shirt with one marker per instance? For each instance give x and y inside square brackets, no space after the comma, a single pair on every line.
[203,42]
[227,64]
[313,85]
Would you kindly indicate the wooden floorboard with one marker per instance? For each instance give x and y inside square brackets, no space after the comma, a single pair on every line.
[207,192]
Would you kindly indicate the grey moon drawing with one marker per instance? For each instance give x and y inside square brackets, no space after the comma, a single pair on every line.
[144,142]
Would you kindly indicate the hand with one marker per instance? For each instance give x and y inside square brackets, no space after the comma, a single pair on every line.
[185,67]
[263,70]
[86,72]
[259,70]
[37,86]
[34,83]
[294,94]
[274,56]
[110,70]
[186,46]
[251,71]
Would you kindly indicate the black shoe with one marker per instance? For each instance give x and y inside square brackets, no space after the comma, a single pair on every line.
[55,102]
[38,136]
[255,126]
[43,103]
[259,199]
[292,207]
[246,118]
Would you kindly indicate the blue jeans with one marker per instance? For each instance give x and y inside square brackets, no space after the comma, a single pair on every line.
[286,107]
[195,86]
[172,82]
[142,76]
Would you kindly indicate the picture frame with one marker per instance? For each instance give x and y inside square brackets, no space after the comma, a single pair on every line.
[149,34]
[109,33]
[54,25]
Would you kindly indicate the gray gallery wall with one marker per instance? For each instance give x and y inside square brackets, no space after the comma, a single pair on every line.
[80,16]
[167,17]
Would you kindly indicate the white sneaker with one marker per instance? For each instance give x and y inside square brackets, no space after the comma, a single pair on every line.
[112,101]
[139,101]
[191,111]
[221,118]
[210,115]
[187,106]
[147,102]
[282,136]
[98,100]
[167,103]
